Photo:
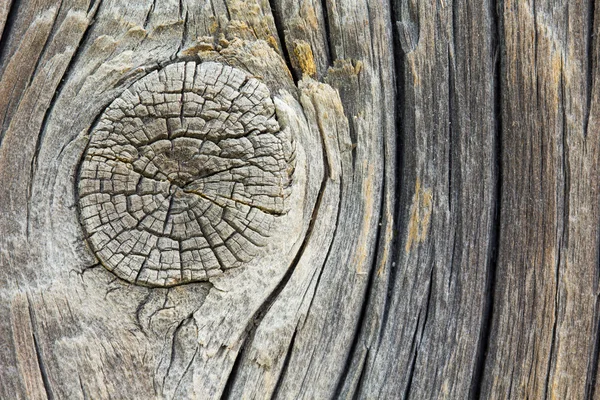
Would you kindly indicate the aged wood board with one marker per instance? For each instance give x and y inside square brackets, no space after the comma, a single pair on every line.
[315,199]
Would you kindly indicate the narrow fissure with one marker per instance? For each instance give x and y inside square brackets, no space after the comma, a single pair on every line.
[590,389]
[413,362]
[415,346]
[450,127]
[282,42]
[330,49]
[361,377]
[57,92]
[366,296]
[173,344]
[593,368]
[493,248]
[227,389]
[284,367]
[560,235]
[38,354]
[263,309]
[49,39]
[590,65]
[377,260]
[400,146]
[150,11]
[11,19]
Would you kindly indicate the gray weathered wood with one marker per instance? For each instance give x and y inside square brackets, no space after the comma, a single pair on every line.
[430,170]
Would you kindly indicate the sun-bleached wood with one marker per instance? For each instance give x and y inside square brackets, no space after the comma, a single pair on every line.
[430,184]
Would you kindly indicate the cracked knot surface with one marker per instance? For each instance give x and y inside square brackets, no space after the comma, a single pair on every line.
[184,175]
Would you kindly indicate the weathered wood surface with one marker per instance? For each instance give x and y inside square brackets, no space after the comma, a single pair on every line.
[440,238]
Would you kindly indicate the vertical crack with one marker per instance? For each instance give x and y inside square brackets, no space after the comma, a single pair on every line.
[264,308]
[493,249]
[593,368]
[451,120]
[278,20]
[150,11]
[284,368]
[590,389]
[49,39]
[591,64]
[399,57]
[11,19]
[330,49]
[560,234]
[361,378]
[366,296]
[234,370]
[66,74]
[38,354]
[415,346]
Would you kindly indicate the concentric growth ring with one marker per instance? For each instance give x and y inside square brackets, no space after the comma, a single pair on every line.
[184,175]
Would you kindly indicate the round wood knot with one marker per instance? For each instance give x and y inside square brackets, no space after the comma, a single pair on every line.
[184,175]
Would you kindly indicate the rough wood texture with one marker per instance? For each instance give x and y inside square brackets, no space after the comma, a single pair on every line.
[299,199]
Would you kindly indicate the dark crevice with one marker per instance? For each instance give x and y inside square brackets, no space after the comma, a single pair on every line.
[49,39]
[399,57]
[590,389]
[185,372]
[148,14]
[451,119]
[330,49]
[327,256]
[184,39]
[38,354]
[234,370]
[553,334]
[591,65]
[226,10]
[415,346]
[33,165]
[57,92]
[533,9]
[81,387]
[377,258]
[329,249]
[173,345]
[595,358]
[284,367]
[278,20]
[362,375]
[264,308]
[560,236]
[382,226]
[413,361]
[419,331]
[493,249]
[92,5]
[366,295]
[11,19]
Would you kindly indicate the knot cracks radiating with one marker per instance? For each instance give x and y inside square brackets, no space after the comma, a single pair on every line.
[206,196]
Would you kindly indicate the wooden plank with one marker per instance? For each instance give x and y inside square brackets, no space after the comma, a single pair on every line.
[440,234]
[360,45]
[431,327]
[545,313]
